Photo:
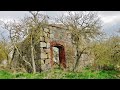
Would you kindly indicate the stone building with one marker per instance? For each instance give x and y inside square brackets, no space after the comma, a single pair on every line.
[55,37]
[46,57]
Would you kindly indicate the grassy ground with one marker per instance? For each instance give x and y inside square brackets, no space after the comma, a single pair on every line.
[59,74]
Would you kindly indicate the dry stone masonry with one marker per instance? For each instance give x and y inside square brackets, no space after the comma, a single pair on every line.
[53,36]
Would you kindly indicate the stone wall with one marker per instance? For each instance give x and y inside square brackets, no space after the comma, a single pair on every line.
[45,49]
[62,37]
[52,35]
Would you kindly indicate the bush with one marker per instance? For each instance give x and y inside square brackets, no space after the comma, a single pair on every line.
[107,54]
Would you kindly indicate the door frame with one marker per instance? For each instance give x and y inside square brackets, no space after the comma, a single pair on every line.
[62,60]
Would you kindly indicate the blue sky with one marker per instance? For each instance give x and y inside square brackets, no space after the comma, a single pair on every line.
[111,19]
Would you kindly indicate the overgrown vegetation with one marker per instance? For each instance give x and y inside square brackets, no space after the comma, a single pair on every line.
[107,54]
[60,74]
[84,28]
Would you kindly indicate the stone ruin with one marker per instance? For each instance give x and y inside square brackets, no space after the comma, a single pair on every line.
[55,36]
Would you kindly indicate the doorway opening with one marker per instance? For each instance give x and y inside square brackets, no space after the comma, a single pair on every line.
[58,55]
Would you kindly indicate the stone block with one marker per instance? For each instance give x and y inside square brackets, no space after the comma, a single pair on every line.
[48,45]
[47,39]
[46,29]
[43,44]
[48,66]
[42,39]
[42,62]
[47,50]
[47,61]
[44,55]
[42,50]
[51,28]
[49,55]
[43,67]
[45,34]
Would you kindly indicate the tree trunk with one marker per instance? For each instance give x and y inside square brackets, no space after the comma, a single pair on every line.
[78,56]
[10,62]
[32,57]
[77,60]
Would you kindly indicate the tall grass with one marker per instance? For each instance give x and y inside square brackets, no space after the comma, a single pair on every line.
[60,74]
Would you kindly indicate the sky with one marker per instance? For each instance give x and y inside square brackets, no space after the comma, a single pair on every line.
[110,19]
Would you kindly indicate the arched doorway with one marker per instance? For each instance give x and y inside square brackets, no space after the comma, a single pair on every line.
[61,54]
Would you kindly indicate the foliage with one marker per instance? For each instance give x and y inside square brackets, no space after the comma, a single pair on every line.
[6,75]
[107,53]
[82,26]
[3,52]
[24,35]
[59,74]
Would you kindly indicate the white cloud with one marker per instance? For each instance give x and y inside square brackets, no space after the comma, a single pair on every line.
[110,19]
[109,16]
[6,19]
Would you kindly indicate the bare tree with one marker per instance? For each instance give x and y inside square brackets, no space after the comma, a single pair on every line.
[30,27]
[83,26]
[34,24]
